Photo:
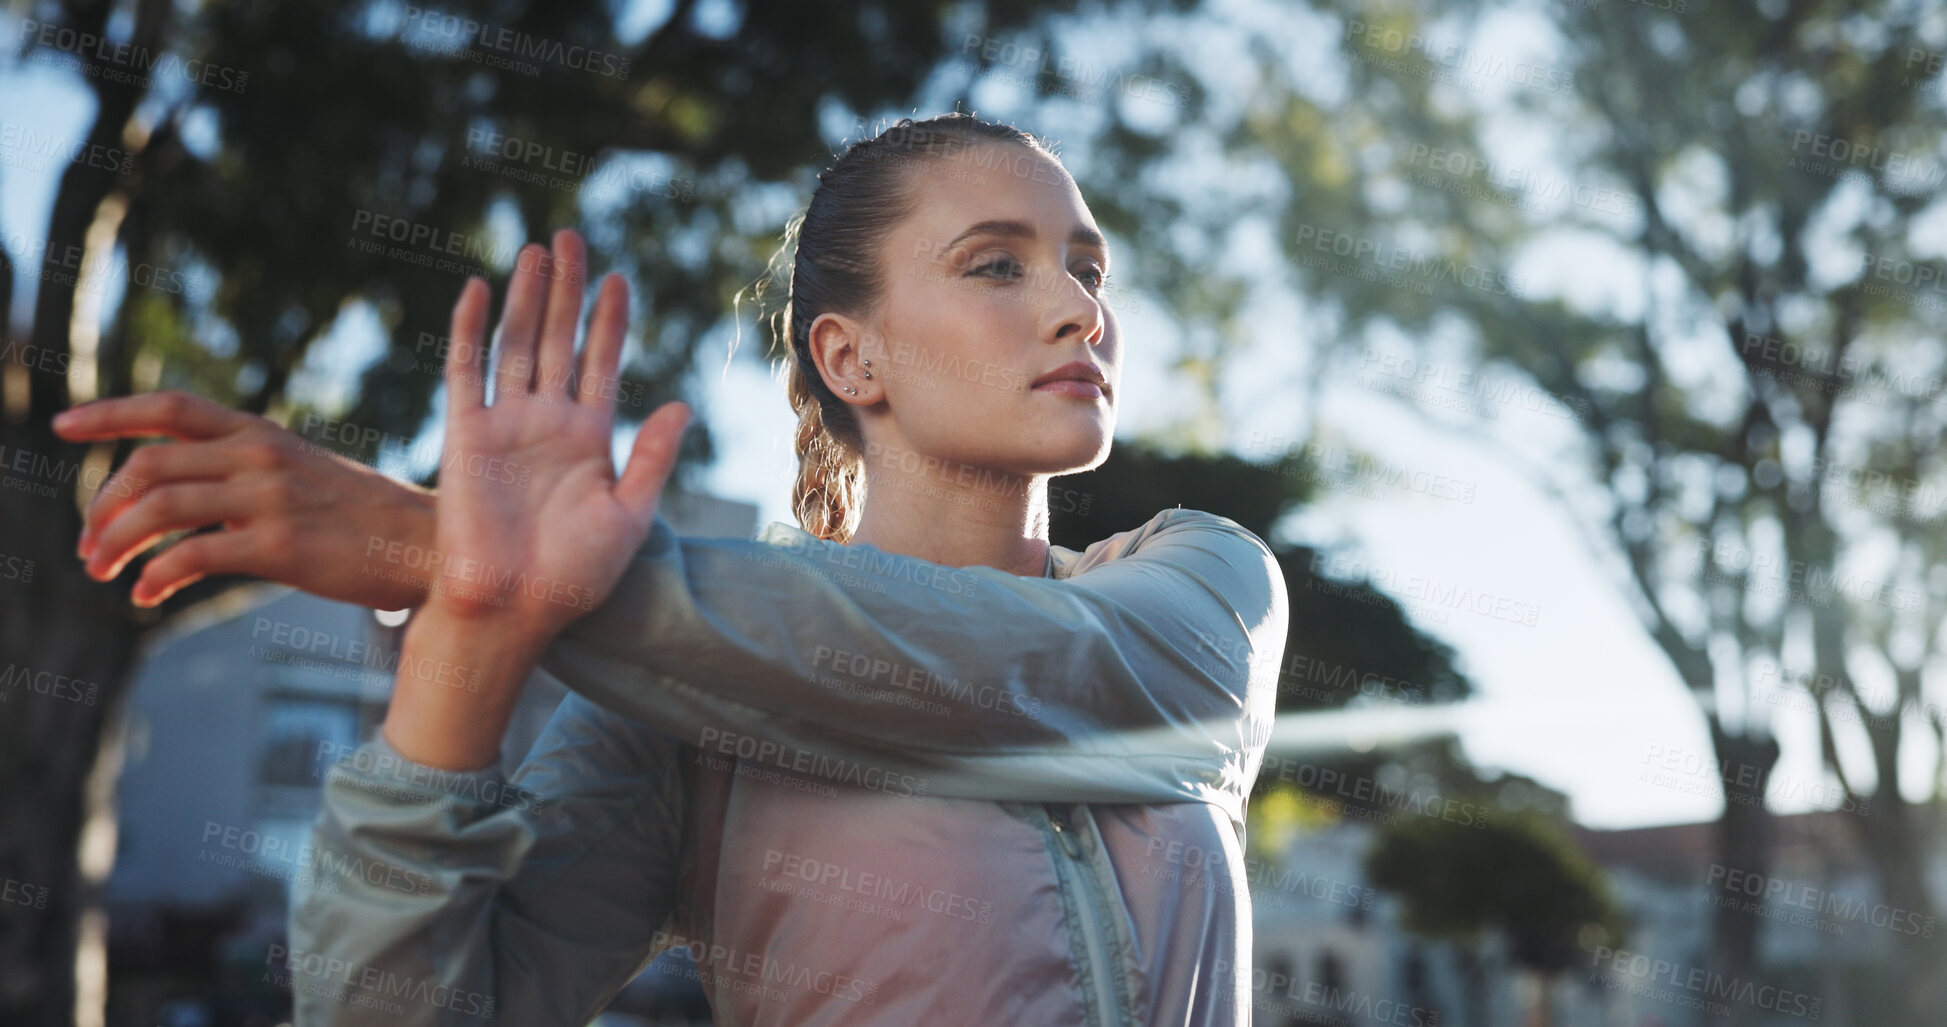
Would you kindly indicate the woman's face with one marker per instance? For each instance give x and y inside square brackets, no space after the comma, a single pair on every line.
[992,283]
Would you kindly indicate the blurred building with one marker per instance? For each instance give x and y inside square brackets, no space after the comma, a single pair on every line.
[1328,950]
[238,708]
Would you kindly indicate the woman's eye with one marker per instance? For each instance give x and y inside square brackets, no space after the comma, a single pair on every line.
[1004,267]
[1098,277]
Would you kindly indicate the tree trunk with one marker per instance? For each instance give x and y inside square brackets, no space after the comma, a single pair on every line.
[66,642]
[1743,843]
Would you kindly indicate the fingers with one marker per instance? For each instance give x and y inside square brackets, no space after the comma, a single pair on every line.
[466,365]
[180,415]
[150,467]
[520,320]
[170,508]
[563,319]
[197,557]
[603,354]
[652,458]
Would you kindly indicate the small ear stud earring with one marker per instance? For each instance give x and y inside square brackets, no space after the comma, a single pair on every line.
[851,390]
[868,374]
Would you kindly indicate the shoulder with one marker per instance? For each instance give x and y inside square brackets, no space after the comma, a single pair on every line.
[1210,549]
[1175,529]
[1206,525]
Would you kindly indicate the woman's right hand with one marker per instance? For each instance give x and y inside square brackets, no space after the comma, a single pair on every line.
[292,512]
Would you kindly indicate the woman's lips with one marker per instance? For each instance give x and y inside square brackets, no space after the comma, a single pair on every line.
[1071,387]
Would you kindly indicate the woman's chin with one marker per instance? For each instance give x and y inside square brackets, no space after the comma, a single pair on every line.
[1078,453]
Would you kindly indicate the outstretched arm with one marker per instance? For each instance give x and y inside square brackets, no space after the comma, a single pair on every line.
[1148,674]
[535,916]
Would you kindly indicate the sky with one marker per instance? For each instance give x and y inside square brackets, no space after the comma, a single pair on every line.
[1580,699]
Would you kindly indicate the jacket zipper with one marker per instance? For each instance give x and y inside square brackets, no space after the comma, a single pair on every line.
[1100,972]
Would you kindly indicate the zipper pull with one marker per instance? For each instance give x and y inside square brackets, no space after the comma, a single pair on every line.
[1069,843]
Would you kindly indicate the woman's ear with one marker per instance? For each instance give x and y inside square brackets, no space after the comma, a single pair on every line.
[837,345]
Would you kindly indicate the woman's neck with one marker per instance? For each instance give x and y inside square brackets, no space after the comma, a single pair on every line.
[957,524]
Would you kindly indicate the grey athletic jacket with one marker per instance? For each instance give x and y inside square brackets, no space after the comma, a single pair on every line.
[860,787]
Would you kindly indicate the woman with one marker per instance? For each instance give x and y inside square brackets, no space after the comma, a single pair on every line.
[907,764]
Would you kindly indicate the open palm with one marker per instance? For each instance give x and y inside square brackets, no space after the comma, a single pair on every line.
[533,527]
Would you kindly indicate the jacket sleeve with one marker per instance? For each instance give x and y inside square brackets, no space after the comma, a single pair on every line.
[459,898]
[1148,674]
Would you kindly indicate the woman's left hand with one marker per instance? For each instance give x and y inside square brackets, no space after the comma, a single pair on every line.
[532,525]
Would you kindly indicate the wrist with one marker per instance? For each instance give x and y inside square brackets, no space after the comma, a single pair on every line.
[458,682]
[495,634]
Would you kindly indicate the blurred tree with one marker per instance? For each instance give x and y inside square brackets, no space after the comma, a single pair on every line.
[1346,639]
[1517,875]
[254,177]
[1679,259]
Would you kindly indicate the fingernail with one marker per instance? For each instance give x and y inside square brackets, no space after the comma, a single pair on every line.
[86,547]
[64,418]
